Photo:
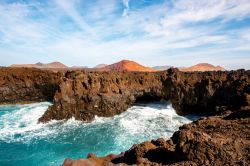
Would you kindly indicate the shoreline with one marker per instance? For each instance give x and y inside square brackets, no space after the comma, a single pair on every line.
[84,95]
[22,103]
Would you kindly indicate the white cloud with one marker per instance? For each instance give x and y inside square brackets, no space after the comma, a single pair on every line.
[126,5]
[70,8]
[145,34]
[15,27]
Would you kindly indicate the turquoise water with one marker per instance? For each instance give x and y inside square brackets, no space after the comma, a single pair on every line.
[25,142]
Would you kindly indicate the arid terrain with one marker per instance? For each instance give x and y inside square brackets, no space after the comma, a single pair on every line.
[123,65]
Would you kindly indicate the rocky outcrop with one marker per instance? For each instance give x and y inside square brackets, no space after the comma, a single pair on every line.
[84,95]
[218,140]
[24,85]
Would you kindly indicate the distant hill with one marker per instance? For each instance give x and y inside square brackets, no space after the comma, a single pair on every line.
[54,65]
[126,65]
[202,67]
[100,66]
[58,65]
[23,65]
[161,68]
[79,67]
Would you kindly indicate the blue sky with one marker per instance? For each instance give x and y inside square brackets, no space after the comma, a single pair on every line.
[151,32]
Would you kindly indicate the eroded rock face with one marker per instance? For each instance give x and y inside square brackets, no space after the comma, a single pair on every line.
[84,95]
[21,85]
[219,140]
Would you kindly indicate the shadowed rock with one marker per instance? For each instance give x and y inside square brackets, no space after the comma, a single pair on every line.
[219,140]
[24,85]
[84,95]
[214,141]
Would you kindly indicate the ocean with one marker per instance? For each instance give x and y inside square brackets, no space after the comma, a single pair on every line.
[25,142]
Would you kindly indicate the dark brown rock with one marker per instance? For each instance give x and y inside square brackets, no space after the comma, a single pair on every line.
[217,140]
[221,139]
[84,95]
[24,85]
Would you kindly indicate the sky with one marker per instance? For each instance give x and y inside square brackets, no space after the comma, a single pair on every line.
[151,32]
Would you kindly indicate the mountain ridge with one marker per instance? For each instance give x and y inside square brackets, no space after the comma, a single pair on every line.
[55,64]
[202,67]
[127,65]
[123,65]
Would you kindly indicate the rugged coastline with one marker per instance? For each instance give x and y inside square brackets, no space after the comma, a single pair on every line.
[223,138]
[85,94]
[218,140]
[27,85]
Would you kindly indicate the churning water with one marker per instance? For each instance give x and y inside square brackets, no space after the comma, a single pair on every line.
[25,142]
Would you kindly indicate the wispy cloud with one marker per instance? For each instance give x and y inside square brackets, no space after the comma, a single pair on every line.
[83,32]
[70,8]
[126,9]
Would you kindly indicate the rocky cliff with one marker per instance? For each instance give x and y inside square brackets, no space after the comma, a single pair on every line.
[23,85]
[219,140]
[85,94]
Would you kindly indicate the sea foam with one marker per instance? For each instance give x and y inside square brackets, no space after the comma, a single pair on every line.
[19,126]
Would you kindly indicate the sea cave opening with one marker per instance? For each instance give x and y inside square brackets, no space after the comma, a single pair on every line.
[148,98]
[152,101]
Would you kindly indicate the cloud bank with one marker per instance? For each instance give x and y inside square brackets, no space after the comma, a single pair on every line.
[87,32]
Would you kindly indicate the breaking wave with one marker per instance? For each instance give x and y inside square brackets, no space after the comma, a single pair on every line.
[51,143]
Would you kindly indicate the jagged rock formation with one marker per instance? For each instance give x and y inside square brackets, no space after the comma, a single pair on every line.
[85,94]
[21,85]
[211,141]
[218,140]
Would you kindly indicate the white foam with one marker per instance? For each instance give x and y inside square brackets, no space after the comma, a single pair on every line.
[138,123]
[143,122]
[21,120]
[139,119]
